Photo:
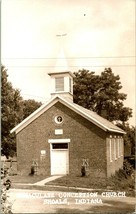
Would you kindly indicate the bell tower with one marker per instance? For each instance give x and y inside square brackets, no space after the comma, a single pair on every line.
[61,78]
[62,84]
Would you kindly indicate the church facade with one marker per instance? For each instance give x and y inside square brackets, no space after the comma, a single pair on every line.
[60,137]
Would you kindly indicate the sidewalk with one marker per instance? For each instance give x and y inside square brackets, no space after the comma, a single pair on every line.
[43,182]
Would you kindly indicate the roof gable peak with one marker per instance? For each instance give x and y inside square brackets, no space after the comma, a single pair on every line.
[89,115]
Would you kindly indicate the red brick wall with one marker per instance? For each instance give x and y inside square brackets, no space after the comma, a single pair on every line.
[87,142]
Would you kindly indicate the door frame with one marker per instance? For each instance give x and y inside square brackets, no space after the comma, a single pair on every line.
[51,141]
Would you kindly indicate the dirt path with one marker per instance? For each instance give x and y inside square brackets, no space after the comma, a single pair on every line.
[36,201]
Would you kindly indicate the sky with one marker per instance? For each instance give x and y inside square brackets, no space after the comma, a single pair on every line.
[97,34]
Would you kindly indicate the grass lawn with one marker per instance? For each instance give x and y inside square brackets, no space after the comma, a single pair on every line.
[78,181]
[114,183]
[26,179]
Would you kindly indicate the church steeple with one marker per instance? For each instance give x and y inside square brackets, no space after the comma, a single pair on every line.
[61,78]
[62,84]
[61,62]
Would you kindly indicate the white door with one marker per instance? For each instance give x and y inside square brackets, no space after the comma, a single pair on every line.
[59,162]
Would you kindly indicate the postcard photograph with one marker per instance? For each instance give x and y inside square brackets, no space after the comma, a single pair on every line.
[68,106]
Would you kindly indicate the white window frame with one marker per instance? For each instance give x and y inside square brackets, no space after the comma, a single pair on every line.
[115,148]
[118,147]
[59,140]
[121,142]
[110,142]
[56,119]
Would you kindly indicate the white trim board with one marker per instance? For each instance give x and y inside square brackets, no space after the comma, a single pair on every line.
[59,140]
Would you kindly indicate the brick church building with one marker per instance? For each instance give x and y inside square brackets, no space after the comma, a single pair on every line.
[61,136]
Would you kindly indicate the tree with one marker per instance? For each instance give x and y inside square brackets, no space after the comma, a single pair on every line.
[14,110]
[101,93]
[85,85]
[29,106]
[129,138]
[11,113]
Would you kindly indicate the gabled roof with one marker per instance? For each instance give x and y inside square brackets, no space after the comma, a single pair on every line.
[89,115]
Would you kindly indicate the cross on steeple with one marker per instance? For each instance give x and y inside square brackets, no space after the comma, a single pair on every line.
[61,36]
[64,34]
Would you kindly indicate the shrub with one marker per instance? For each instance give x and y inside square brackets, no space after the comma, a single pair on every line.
[128,168]
[6,206]
[83,171]
[121,174]
[123,180]
[32,170]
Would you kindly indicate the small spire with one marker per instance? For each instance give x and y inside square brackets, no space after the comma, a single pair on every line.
[61,62]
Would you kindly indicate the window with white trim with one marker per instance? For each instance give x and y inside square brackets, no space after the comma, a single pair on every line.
[118,147]
[121,143]
[115,149]
[59,84]
[58,119]
[60,146]
[116,140]
[110,142]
